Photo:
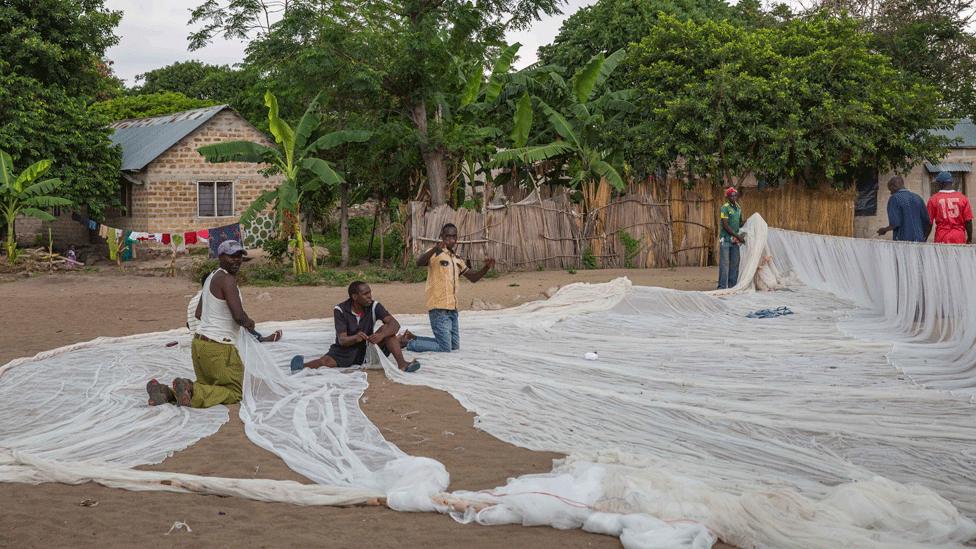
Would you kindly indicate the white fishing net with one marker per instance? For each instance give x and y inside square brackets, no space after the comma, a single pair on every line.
[693,423]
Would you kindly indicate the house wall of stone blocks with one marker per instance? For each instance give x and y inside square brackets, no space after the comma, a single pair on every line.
[919,181]
[167,199]
[32,232]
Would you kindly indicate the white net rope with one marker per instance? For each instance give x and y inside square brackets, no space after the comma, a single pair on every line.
[694,422]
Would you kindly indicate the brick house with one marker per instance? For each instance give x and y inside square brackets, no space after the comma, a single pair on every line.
[165,185]
[958,162]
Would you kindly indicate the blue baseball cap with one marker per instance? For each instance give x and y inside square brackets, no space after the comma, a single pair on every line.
[943,177]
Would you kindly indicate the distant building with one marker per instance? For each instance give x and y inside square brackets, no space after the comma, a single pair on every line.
[871,215]
[165,185]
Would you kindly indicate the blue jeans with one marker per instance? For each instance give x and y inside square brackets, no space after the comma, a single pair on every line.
[728,265]
[447,333]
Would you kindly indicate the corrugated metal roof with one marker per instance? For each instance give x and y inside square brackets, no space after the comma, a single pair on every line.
[144,139]
[964,130]
[949,167]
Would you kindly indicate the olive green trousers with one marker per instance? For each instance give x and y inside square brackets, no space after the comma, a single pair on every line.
[220,374]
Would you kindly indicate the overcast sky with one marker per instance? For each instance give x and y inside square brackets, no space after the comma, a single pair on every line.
[153,34]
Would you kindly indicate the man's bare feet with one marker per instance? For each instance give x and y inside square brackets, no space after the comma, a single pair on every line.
[276,336]
[407,337]
[159,393]
[183,390]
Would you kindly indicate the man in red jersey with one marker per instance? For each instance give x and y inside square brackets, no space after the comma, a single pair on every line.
[951,213]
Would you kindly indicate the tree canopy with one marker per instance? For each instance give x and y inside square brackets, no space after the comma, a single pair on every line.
[394,57]
[59,42]
[142,106]
[45,122]
[932,39]
[809,100]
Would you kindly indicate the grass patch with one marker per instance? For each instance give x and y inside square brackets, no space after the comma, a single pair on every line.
[281,275]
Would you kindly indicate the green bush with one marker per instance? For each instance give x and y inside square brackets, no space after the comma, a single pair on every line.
[202,268]
[266,275]
[589,260]
[275,248]
[632,247]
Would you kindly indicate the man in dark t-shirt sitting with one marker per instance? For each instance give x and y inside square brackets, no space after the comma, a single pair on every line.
[355,319]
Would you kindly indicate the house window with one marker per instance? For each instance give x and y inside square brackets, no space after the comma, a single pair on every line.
[215,199]
[125,198]
[958,182]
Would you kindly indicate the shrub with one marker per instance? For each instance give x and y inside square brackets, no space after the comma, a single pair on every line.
[632,247]
[275,248]
[589,260]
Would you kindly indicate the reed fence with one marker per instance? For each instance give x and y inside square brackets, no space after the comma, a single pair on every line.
[653,224]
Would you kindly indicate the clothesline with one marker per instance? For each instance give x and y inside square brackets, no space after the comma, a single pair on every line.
[119,240]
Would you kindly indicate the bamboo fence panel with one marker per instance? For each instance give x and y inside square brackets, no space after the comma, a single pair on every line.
[800,208]
[675,224]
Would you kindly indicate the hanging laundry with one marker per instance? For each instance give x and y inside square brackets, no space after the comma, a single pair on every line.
[128,252]
[203,233]
[222,234]
[103,231]
[158,237]
[166,238]
[190,237]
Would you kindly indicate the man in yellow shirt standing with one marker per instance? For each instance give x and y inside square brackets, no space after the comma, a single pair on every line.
[444,271]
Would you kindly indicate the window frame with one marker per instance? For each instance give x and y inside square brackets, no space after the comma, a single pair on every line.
[216,210]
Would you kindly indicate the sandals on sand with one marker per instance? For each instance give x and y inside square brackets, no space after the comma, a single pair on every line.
[297,363]
[412,367]
[183,390]
[276,336]
[159,393]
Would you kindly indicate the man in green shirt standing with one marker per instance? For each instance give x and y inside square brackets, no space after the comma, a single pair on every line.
[728,260]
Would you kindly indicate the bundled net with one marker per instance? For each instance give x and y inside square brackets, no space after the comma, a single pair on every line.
[694,423]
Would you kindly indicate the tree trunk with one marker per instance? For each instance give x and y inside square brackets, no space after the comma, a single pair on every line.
[301,262]
[372,234]
[433,157]
[382,230]
[344,223]
[11,242]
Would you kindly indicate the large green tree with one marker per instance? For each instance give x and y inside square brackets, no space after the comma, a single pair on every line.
[609,25]
[51,67]
[809,100]
[241,88]
[398,55]
[142,106]
[44,122]
[933,39]
[59,42]
[193,79]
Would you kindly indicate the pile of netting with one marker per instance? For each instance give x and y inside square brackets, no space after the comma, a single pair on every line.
[847,423]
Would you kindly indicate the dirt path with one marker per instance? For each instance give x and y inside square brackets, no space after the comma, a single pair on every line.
[45,312]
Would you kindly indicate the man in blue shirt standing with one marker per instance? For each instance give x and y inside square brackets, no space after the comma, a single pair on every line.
[908,216]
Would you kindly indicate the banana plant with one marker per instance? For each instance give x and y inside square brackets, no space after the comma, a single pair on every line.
[293,157]
[24,194]
[578,140]
[472,141]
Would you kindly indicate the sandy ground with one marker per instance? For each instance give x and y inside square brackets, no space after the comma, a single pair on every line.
[48,311]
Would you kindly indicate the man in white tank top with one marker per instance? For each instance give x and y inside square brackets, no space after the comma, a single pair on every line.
[193,321]
[216,363]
